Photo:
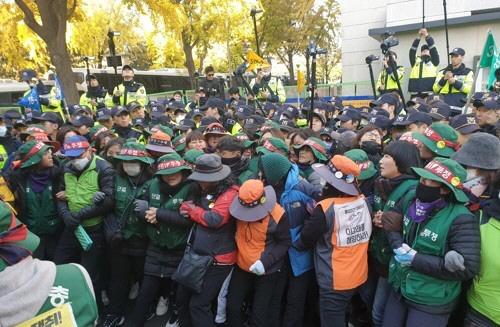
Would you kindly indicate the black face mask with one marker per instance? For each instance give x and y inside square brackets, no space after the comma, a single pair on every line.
[427,194]
[230,161]
[371,147]
[426,58]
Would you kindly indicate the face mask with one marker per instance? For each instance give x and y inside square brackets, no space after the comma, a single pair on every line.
[132,168]
[79,164]
[3,130]
[179,118]
[426,193]
[426,58]
[371,147]
[230,161]
[211,149]
[471,173]
[328,146]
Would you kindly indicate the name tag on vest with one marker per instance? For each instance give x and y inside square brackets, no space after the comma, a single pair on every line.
[353,223]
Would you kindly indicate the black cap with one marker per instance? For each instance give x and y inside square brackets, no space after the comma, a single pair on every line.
[489,100]
[458,52]
[244,112]
[255,120]
[287,125]
[185,124]
[434,97]
[51,117]
[127,67]
[465,123]
[115,111]
[162,120]
[379,121]
[326,131]
[233,90]
[214,103]
[138,122]
[349,114]
[205,121]
[424,47]
[82,120]
[33,116]
[195,112]
[157,110]
[440,111]
[133,105]
[103,114]
[290,112]
[414,117]
[270,106]
[19,122]
[380,111]
[389,98]
[12,114]
[424,107]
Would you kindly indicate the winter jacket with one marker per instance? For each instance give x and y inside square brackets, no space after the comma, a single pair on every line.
[212,88]
[423,73]
[130,91]
[8,146]
[128,132]
[453,94]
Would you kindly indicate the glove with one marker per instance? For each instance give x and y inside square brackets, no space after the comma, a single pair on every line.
[187,206]
[71,221]
[257,268]
[405,254]
[98,197]
[44,101]
[454,261]
[141,206]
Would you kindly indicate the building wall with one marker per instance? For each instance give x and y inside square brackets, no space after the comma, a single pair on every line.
[360,16]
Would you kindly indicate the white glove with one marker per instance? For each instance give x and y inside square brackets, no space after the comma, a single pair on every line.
[257,268]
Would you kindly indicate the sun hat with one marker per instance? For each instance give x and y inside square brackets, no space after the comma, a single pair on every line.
[191,155]
[96,130]
[254,201]
[215,128]
[273,145]
[246,140]
[440,138]
[340,172]
[133,150]
[361,159]
[448,172]
[482,150]
[160,142]
[209,168]
[42,137]
[170,164]
[35,128]
[160,128]
[317,146]
[16,241]
[31,153]
[180,142]
[75,146]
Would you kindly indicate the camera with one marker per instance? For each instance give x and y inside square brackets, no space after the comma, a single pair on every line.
[371,58]
[241,69]
[313,50]
[389,41]
[196,74]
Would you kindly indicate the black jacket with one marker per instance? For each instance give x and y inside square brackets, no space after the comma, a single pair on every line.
[106,181]
[212,88]
[127,132]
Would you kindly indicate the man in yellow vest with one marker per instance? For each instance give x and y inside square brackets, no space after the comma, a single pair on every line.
[96,96]
[267,87]
[129,90]
[387,78]
[424,67]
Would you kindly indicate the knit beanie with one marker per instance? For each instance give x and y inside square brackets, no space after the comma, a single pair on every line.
[275,167]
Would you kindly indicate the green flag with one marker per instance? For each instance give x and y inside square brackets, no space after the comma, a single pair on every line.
[495,64]
[488,51]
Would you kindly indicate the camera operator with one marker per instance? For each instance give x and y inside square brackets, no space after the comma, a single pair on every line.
[267,87]
[210,84]
[424,67]
[386,79]
[454,82]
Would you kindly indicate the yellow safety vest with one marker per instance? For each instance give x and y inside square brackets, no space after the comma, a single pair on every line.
[3,156]
[389,82]
[137,92]
[422,77]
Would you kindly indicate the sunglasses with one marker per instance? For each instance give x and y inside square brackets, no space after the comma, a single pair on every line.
[211,74]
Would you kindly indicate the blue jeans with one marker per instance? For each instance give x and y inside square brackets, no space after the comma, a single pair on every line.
[381,294]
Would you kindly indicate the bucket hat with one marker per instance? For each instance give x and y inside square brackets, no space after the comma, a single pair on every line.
[246,140]
[160,142]
[96,130]
[482,150]
[441,139]
[273,145]
[32,152]
[170,164]
[361,159]
[340,172]
[215,128]
[133,150]
[254,201]
[317,146]
[42,137]
[191,155]
[179,143]
[209,168]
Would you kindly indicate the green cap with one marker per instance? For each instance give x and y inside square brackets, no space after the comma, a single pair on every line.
[448,172]
[246,140]
[165,129]
[440,138]
[266,126]
[317,146]
[179,143]
[170,164]
[191,155]
[133,150]
[273,145]
[361,159]
[32,152]
[96,130]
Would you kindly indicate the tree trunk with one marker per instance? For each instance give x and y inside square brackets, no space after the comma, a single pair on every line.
[188,53]
[291,69]
[59,57]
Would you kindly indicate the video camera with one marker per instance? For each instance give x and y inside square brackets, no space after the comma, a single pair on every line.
[389,41]
[371,58]
[241,69]
[313,50]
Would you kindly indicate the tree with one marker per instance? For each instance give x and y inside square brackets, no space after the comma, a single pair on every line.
[54,16]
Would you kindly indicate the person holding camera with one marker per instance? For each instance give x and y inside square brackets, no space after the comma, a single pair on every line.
[387,81]
[211,85]
[267,87]
[424,67]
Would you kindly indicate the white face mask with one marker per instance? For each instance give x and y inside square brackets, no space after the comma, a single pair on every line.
[3,130]
[471,173]
[179,118]
[79,164]
[132,168]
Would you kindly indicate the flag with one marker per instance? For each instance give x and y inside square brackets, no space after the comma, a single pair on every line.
[58,90]
[495,64]
[301,81]
[488,51]
[30,100]
[255,61]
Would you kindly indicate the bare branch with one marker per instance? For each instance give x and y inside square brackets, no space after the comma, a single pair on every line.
[72,9]
[29,19]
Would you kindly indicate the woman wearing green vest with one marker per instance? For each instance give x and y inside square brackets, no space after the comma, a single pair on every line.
[35,186]
[166,229]
[126,258]
[395,181]
[313,150]
[437,249]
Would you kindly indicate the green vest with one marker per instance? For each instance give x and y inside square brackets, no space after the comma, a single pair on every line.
[80,190]
[41,213]
[429,239]
[3,156]
[72,285]
[125,195]
[161,234]
[380,248]
[244,176]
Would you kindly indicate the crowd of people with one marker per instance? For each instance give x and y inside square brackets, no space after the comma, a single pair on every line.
[225,214]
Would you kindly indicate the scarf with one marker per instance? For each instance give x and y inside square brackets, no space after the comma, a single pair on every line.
[419,210]
[39,181]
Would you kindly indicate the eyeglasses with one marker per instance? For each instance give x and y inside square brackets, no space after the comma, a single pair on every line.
[373,135]
[211,74]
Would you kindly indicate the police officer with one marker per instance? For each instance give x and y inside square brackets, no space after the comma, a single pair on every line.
[210,84]
[8,144]
[267,87]
[424,67]
[454,82]
[387,79]
[129,90]
[95,97]
[47,99]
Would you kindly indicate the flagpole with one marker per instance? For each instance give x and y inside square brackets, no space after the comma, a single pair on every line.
[469,96]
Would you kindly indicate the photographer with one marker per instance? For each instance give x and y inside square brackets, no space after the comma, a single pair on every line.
[387,79]
[95,97]
[424,68]
[267,87]
[210,84]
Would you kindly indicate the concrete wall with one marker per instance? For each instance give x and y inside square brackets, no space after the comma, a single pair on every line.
[360,15]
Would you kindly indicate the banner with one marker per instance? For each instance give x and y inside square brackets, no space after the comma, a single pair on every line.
[30,100]
[61,316]
[255,61]
[58,90]
[495,64]
[488,51]
[301,81]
